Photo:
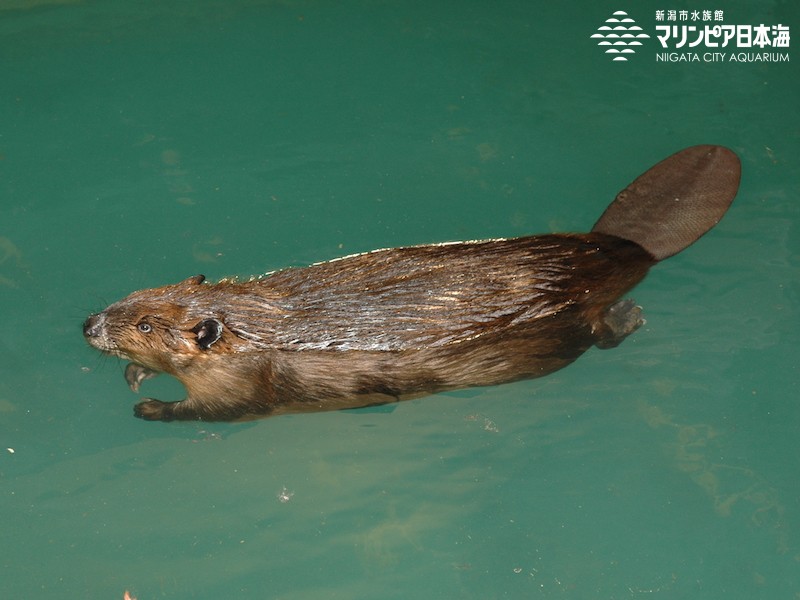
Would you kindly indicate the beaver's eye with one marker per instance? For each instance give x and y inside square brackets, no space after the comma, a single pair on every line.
[144,327]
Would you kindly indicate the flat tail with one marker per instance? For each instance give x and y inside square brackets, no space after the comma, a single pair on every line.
[673,204]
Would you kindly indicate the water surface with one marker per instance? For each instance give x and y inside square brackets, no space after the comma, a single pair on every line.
[141,143]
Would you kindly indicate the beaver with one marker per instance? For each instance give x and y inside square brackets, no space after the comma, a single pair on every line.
[397,323]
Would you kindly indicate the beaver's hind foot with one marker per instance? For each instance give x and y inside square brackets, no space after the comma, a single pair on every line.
[621,319]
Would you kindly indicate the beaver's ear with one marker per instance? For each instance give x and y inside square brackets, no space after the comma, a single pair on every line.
[208,331]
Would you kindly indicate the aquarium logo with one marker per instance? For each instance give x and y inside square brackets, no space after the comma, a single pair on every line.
[695,36]
[620,36]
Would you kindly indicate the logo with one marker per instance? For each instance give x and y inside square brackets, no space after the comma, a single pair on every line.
[695,36]
[619,34]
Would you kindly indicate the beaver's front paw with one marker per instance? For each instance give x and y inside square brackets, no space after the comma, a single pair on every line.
[135,374]
[155,410]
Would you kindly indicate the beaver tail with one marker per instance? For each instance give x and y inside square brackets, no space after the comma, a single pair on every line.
[674,203]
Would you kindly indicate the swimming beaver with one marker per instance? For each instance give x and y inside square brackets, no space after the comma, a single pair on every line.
[391,324]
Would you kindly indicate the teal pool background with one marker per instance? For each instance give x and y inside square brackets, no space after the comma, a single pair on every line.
[143,142]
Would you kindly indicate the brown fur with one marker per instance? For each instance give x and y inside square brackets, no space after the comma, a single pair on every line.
[376,327]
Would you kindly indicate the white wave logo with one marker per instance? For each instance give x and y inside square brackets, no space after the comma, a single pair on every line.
[618,34]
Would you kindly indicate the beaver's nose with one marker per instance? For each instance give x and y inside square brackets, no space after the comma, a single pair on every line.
[93,326]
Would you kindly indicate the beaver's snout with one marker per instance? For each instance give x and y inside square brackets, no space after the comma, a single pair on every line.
[95,330]
[93,326]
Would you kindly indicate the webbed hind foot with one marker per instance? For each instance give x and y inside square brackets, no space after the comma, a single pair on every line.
[619,321]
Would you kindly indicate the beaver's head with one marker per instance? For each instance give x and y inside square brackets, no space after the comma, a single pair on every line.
[156,328]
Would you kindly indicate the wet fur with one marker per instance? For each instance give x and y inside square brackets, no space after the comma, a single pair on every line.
[389,324]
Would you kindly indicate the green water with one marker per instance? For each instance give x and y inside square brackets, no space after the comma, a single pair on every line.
[143,142]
